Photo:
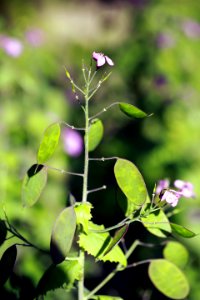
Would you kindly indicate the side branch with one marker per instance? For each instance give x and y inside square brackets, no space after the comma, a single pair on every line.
[63,171]
[103,110]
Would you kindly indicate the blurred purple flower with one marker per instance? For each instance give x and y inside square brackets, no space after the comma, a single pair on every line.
[185,188]
[171,197]
[162,184]
[35,37]
[101,59]
[12,46]
[165,40]
[73,143]
[191,28]
[160,80]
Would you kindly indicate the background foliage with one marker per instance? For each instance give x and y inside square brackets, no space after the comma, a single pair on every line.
[155,47]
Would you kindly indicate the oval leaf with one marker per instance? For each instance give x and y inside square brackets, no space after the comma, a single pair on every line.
[182,231]
[157,223]
[176,253]
[95,134]
[33,184]
[130,182]
[63,234]
[168,279]
[48,143]
[7,263]
[131,110]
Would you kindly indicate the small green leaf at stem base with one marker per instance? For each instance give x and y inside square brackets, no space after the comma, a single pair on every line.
[168,279]
[119,234]
[48,143]
[33,184]
[63,234]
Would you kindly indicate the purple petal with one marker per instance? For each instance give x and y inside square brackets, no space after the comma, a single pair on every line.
[73,143]
[109,61]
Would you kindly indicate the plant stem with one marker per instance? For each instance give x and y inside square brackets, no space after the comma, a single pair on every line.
[85,186]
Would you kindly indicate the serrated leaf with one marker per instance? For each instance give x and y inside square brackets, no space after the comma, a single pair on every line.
[33,184]
[57,276]
[49,143]
[130,182]
[83,214]
[182,231]
[3,231]
[119,234]
[131,110]
[95,134]
[63,234]
[96,243]
[168,279]
[176,253]
[156,223]
[7,263]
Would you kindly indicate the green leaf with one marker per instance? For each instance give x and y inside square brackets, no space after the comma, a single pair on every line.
[63,234]
[48,143]
[131,110]
[7,263]
[176,253]
[95,134]
[157,222]
[57,276]
[33,184]
[83,214]
[182,231]
[119,234]
[96,243]
[130,182]
[3,231]
[168,279]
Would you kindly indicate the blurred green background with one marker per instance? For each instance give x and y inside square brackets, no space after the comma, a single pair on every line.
[155,46]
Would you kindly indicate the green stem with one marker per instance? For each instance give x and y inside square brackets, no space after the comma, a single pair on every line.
[85,187]
[114,272]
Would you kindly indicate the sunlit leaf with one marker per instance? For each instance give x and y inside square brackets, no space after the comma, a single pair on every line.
[176,253]
[130,182]
[131,110]
[83,214]
[119,234]
[168,279]
[95,134]
[182,231]
[49,143]
[7,263]
[96,243]
[57,276]
[63,234]
[157,223]
[3,231]
[33,184]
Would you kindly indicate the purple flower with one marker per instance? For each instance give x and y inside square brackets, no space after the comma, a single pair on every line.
[35,37]
[12,46]
[73,143]
[162,184]
[101,59]
[171,197]
[191,28]
[165,40]
[185,188]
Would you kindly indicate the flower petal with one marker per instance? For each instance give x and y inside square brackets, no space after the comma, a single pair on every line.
[109,61]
